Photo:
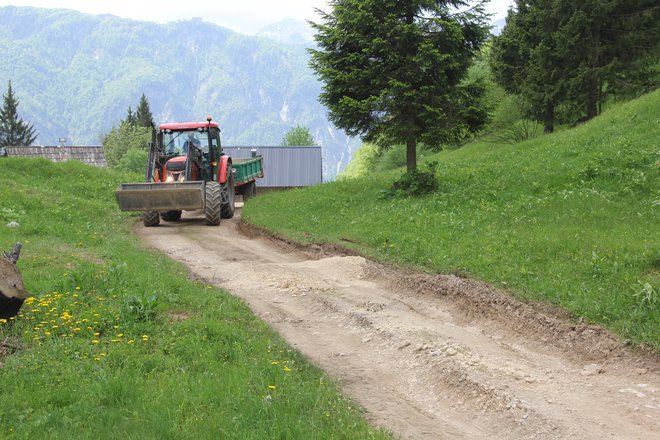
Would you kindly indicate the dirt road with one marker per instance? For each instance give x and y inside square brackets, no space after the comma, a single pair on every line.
[429,357]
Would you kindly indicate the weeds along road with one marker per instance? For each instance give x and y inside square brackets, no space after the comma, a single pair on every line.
[428,357]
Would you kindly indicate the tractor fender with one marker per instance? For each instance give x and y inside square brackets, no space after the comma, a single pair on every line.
[222,171]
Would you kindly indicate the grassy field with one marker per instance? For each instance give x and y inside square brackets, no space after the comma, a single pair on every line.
[570,219]
[118,342]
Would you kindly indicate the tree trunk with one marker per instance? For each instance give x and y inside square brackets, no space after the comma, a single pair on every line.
[592,101]
[411,154]
[549,118]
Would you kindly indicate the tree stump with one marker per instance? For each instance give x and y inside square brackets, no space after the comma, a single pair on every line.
[12,292]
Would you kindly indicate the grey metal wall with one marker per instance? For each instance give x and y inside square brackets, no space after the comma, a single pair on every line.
[285,166]
[92,155]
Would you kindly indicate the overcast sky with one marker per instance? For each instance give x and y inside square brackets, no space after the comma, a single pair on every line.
[246,16]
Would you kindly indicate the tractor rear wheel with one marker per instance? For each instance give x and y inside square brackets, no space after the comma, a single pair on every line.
[171,216]
[212,204]
[150,218]
[228,195]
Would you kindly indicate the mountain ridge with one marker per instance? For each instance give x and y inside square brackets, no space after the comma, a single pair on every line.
[75,75]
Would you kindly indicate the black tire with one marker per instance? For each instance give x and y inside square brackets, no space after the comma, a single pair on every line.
[228,195]
[171,216]
[249,190]
[212,203]
[150,218]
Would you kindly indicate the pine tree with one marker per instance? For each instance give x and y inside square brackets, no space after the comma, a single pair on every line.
[573,54]
[392,70]
[143,115]
[131,118]
[13,131]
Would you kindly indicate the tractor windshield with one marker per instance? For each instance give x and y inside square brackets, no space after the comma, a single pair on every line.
[177,142]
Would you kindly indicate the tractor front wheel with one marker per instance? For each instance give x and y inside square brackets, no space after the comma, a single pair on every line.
[150,218]
[228,195]
[212,203]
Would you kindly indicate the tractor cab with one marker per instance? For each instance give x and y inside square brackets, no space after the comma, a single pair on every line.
[188,151]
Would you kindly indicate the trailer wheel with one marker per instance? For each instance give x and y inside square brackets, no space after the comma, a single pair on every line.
[228,195]
[212,204]
[249,190]
[150,218]
[171,216]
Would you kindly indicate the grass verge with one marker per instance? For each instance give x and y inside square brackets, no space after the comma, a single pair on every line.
[571,218]
[118,342]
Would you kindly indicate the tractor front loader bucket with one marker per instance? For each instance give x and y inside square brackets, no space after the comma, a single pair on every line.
[174,196]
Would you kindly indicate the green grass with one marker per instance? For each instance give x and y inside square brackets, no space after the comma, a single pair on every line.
[118,342]
[571,218]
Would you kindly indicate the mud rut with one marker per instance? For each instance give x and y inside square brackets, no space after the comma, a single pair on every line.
[428,357]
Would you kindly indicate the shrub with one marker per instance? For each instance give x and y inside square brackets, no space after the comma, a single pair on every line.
[417,182]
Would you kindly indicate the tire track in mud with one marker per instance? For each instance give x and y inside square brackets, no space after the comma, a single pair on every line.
[429,357]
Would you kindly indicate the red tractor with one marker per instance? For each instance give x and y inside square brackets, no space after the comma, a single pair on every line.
[187,170]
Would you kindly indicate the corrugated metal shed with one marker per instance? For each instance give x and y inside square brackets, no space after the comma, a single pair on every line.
[285,167]
[92,155]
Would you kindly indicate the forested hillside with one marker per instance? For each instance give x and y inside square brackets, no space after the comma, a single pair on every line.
[76,74]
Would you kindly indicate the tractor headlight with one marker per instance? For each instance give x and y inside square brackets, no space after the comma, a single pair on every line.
[169,178]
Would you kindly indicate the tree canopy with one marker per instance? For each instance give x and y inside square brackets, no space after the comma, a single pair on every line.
[13,130]
[143,116]
[130,140]
[393,70]
[574,54]
[298,136]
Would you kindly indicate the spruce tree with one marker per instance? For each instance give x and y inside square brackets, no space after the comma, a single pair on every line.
[392,70]
[14,132]
[574,54]
[131,118]
[143,115]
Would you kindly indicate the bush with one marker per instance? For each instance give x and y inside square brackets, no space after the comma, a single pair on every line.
[416,182]
[134,161]
[124,138]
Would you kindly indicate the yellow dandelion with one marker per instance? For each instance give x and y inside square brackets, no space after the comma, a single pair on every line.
[95,341]
[272,387]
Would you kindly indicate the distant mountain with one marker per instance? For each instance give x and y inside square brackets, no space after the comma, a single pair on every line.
[76,74]
[289,31]
[498,25]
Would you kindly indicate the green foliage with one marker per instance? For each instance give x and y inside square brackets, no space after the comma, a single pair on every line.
[566,56]
[509,124]
[110,331]
[393,71]
[120,140]
[569,218]
[416,182]
[143,116]
[140,308]
[134,161]
[14,132]
[363,163]
[298,136]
